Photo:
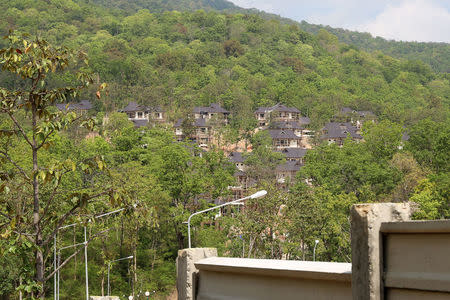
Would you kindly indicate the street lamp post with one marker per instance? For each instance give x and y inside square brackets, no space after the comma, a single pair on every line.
[56,263]
[314,252]
[256,195]
[109,266]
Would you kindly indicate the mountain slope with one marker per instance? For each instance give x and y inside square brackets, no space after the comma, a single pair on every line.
[132,6]
[180,60]
[437,55]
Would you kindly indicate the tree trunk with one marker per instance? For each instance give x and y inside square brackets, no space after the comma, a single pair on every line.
[39,257]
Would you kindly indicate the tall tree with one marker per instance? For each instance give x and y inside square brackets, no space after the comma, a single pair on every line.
[34,200]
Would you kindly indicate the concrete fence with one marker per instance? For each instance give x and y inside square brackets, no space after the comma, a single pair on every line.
[393,259]
[416,260]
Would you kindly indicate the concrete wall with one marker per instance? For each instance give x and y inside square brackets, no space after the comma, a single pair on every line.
[416,260]
[393,259]
[240,278]
[367,245]
[187,272]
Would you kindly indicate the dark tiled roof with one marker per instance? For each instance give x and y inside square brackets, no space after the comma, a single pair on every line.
[284,108]
[178,123]
[283,134]
[158,109]
[365,113]
[200,122]
[346,110]
[405,136]
[133,106]
[262,110]
[361,113]
[236,157]
[304,121]
[277,107]
[140,123]
[287,125]
[294,152]
[340,130]
[289,166]
[213,108]
[82,105]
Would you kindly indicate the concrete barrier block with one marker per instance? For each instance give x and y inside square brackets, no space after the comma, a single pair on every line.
[186,270]
[366,242]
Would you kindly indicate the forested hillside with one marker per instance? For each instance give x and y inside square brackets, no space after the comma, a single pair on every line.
[178,60]
[133,6]
[437,55]
[182,59]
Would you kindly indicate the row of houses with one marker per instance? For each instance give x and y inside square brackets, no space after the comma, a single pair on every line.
[288,129]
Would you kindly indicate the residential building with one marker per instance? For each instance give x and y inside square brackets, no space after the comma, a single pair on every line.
[285,173]
[289,125]
[356,117]
[210,112]
[335,132]
[294,154]
[81,107]
[284,138]
[201,132]
[278,112]
[141,115]
[238,160]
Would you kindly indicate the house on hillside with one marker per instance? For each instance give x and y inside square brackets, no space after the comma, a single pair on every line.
[335,132]
[141,115]
[201,132]
[81,107]
[285,173]
[356,117]
[284,139]
[289,125]
[294,154]
[238,160]
[244,182]
[210,112]
[280,113]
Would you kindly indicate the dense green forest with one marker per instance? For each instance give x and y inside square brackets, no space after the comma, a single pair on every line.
[437,55]
[179,60]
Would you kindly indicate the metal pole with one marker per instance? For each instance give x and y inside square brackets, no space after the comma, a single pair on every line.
[108,280]
[54,266]
[59,261]
[109,266]
[314,251]
[254,196]
[86,263]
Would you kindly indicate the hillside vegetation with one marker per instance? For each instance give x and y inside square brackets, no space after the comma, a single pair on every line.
[182,59]
[437,55]
[178,60]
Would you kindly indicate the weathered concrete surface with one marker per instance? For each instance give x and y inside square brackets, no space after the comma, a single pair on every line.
[186,270]
[265,279]
[416,259]
[366,241]
[104,298]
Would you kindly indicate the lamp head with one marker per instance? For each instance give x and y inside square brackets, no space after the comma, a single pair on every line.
[147,293]
[317,241]
[258,194]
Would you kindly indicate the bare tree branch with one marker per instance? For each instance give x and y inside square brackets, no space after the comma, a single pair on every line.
[76,252]
[20,129]
[69,213]
[22,171]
